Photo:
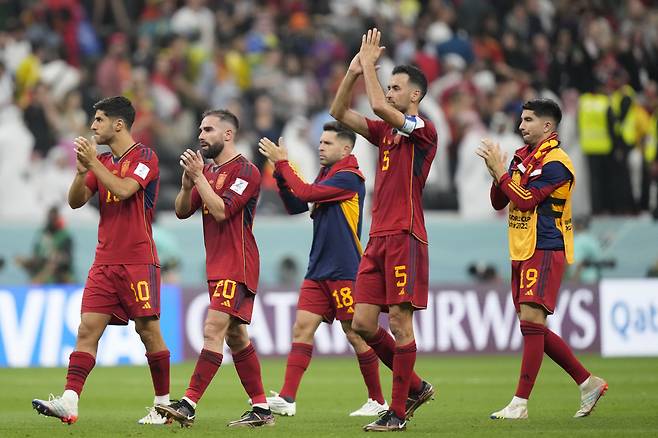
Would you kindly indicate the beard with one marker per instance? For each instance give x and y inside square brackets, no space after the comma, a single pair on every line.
[212,150]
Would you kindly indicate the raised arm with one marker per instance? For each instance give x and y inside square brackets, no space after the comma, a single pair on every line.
[340,107]
[316,192]
[369,54]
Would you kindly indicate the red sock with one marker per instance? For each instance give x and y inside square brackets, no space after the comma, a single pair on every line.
[248,368]
[369,364]
[159,366]
[403,367]
[384,346]
[80,365]
[298,360]
[533,353]
[559,351]
[206,367]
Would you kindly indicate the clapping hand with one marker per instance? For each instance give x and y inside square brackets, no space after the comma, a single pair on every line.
[85,152]
[192,164]
[370,49]
[493,157]
[272,151]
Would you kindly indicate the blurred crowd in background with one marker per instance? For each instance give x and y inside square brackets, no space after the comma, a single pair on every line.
[277,65]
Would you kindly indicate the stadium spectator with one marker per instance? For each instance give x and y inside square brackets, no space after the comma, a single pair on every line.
[537,186]
[594,126]
[195,18]
[114,71]
[71,121]
[51,261]
[470,172]
[649,153]
[337,194]
[386,280]
[213,53]
[41,119]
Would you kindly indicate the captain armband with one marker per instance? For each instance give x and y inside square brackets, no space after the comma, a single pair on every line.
[409,124]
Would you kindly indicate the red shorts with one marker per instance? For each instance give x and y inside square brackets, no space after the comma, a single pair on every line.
[123,291]
[394,270]
[331,299]
[537,280]
[231,297]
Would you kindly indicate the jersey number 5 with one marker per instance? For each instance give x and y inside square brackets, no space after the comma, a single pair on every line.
[401,276]
[386,161]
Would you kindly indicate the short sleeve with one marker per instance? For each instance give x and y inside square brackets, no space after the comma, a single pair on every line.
[422,132]
[244,185]
[145,169]
[376,131]
[91,182]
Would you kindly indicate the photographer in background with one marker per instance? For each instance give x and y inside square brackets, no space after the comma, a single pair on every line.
[587,249]
[51,261]
[483,272]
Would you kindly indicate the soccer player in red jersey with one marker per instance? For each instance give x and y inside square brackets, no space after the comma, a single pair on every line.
[226,189]
[393,273]
[537,186]
[337,195]
[124,281]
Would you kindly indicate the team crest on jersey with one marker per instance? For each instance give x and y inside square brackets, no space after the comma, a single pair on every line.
[220,181]
[124,168]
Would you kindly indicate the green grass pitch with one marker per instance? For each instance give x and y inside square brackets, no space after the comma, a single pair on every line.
[469,388]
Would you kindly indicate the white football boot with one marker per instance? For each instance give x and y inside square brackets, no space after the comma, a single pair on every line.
[278,405]
[371,408]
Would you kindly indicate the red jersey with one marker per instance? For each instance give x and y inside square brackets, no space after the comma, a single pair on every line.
[124,230]
[231,251]
[405,157]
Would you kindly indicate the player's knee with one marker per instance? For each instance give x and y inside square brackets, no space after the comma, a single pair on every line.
[532,312]
[87,331]
[84,332]
[363,328]
[302,332]
[236,339]
[401,326]
[214,331]
[147,333]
